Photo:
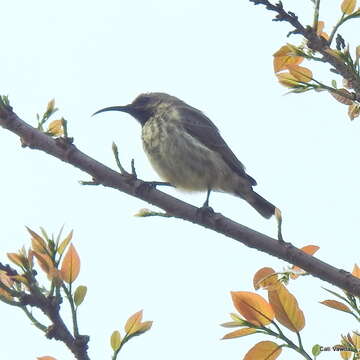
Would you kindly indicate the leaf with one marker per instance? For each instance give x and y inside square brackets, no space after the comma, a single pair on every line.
[266,278]
[46,264]
[285,56]
[231,324]
[316,350]
[348,6]
[46,358]
[239,333]
[115,340]
[286,309]
[342,99]
[16,258]
[79,294]
[264,350]
[287,79]
[50,106]
[300,73]
[336,294]
[7,281]
[143,327]
[70,267]
[132,321]
[63,245]
[253,307]
[336,305]
[356,271]
[308,249]
[37,242]
[354,111]
[56,128]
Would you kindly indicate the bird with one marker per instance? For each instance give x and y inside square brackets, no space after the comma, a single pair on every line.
[186,149]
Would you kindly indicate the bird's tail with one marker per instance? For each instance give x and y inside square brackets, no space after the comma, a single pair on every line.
[261,205]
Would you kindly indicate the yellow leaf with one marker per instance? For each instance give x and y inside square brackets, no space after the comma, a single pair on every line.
[346,355]
[286,309]
[70,266]
[253,307]
[264,350]
[231,324]
[239,333]
[56,128]
[336,305]
[115,340]
[265,278]
[132,322]
[308,249]
[285,57]
[348,6]
[357,53]
[16,258]
[65,243]
[20,278]
[300,73]
[144,326]
[287,79]
[50,106]
[79,294]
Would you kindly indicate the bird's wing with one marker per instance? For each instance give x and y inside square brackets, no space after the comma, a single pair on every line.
[202,128]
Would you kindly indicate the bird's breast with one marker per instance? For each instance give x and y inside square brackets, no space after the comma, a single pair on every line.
[181,159]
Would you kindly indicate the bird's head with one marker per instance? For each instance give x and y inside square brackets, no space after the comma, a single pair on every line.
[144,106]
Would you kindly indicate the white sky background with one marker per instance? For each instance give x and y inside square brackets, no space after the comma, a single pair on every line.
[217,56]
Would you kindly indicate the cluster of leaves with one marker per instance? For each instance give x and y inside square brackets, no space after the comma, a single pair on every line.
[300,79]
[258,316]
[134,326]
[56,127]
[59,260]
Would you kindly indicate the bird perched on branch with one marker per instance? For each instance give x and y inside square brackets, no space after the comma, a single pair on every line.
[186,149]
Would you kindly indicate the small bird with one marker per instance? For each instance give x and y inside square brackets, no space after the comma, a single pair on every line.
[186,149]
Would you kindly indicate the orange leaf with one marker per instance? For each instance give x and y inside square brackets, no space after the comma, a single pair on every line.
[132,322]
[287,79]
[286,309]
[70,267]
[308,249]
[239,333]
[37,242]
[253,307]
[356,271]
[336,305]
[285,57]
[300,73]
[348,6]
[265,278]
[16,258]
[46,263]
[46,358]
[264,350]
[7,281]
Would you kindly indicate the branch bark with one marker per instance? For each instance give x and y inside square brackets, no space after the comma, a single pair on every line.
[67,152]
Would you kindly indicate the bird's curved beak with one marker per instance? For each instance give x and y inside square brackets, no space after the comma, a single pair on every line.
[126,108]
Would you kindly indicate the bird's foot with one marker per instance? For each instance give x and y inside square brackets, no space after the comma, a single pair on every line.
[204,212]
[154,184]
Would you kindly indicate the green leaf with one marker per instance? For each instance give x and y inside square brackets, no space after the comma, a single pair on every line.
[80,294]
[316,350]
[115,340]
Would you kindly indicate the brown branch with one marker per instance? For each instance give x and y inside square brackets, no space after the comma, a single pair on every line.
[316,43]
[67,152]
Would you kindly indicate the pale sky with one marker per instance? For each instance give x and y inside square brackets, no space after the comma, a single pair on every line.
[217,56]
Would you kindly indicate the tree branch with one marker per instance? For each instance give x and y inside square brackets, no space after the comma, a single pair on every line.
[316,43]
[62,149]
